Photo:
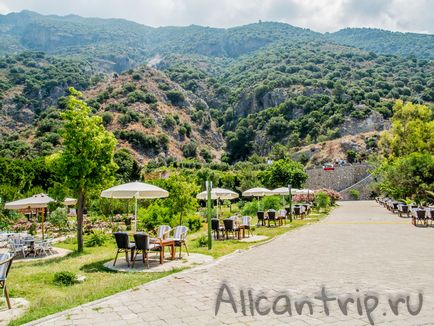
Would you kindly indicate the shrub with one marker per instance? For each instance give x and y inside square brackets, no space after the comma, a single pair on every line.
[202,241]
[175,97]
[333,194]
[355,194]
[322,200]
[194,223]
[95,239]
[190,149]
[107,118]
[64,278]
[59,218]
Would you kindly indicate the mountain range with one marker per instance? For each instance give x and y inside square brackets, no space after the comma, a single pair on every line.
[261,88]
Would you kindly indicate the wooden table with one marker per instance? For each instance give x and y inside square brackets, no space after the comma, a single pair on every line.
[167,243]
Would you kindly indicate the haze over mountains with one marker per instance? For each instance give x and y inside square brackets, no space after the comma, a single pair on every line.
[258,85]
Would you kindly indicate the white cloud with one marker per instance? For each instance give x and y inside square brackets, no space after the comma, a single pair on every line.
[3,8]
[320,15]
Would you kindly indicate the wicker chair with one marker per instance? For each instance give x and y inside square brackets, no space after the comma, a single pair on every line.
[245,225]
[419,215]
[403,210]
[5,265]
[230,227]
[216,228]
[161,233]
[124,245]
[281,216]
[142,244]
[299,211]
[272,217]
[261,217]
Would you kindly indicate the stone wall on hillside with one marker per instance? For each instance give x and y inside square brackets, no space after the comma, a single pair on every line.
[363,187]
[338,179]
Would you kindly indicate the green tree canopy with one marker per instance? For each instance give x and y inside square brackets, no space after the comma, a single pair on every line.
[282,173]
[412,131]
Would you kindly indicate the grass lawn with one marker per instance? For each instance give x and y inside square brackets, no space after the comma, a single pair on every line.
[34,280]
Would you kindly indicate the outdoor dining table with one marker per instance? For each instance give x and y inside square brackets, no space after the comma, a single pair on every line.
[167,243]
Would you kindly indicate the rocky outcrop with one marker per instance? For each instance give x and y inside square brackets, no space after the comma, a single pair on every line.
[374,122]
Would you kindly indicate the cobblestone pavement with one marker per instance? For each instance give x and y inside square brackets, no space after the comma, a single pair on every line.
[360,250]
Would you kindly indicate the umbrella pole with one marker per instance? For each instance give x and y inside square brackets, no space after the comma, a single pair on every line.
[218,207]
[42,220]
[135,214]
[257,198]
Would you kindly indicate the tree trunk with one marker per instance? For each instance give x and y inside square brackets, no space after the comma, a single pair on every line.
[80,210]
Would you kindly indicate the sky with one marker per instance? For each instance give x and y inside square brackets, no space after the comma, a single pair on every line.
[318,15]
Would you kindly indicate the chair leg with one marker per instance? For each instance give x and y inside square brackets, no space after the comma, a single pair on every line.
[126,258]
[186,249]
[147,258]
[133,260]
[117,253]
[5,290]
[180,251]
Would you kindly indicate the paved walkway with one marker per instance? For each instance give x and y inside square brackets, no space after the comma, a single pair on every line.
[360,249]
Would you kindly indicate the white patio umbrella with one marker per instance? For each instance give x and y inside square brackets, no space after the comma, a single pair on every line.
[283,191]
[217,194]
[257,192]
[39,201]
[136,190]
[69,201]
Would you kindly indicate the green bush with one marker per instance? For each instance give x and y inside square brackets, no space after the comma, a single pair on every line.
[202,241]
[194,223]
[64,278]
[355,194]
[322,200]
[59,218]
[95,239]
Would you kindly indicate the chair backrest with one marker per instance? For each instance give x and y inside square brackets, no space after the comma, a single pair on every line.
[260,215]
[430,213]
[163,231]
[403,208]
[272,214]
[421,213]
[215,224]
[229,224]
[246,220]
[141,241]
[180,232]
[5,265]
[297,210]
[122,240]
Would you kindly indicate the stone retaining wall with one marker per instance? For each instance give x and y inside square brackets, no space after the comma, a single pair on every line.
[338,179]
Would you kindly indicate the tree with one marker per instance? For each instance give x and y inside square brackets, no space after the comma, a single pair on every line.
[407,177]
[412,131]
[407,166]
[182,199]
[86,160]
[281,173]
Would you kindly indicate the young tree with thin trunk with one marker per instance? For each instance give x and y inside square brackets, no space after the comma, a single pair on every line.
[86,159]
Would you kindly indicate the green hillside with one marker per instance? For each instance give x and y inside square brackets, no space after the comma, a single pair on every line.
[266,86]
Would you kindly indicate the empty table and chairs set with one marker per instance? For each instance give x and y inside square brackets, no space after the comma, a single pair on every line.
[144,244]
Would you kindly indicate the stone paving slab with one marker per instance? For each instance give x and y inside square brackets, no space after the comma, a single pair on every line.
[155,266]
[359,252]
[19,306]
